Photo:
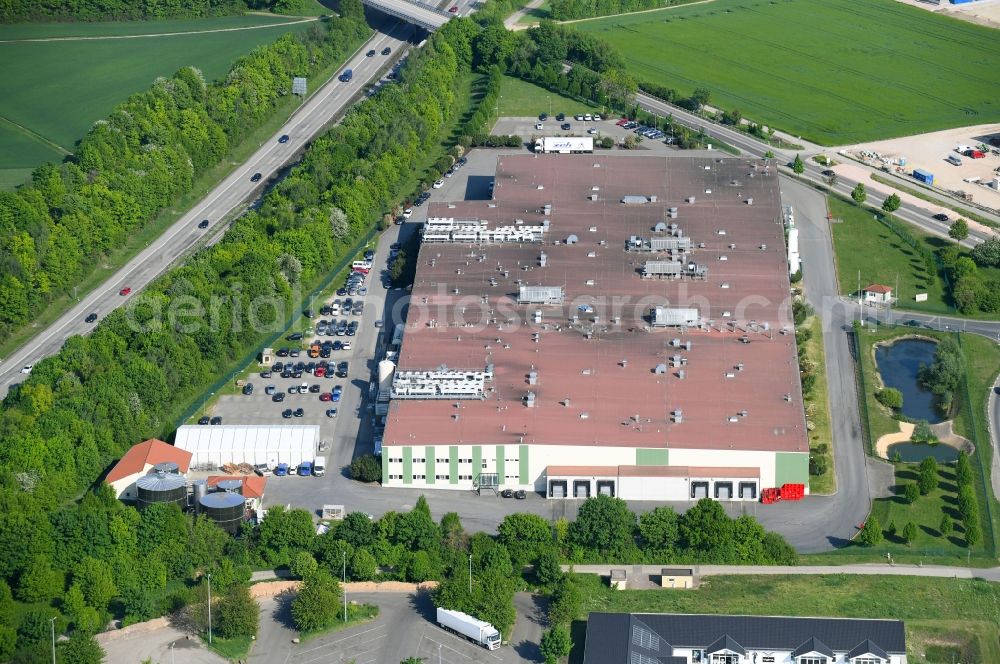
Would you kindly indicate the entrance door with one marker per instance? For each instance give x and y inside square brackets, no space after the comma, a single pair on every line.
[723,490]
[606,488]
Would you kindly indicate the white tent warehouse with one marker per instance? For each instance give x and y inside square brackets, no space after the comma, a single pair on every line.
[270,444]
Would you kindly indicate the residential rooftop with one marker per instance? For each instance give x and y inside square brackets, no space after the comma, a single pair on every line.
[595,366]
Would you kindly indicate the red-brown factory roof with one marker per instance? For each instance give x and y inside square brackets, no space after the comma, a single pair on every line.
[619,386]
[150,452]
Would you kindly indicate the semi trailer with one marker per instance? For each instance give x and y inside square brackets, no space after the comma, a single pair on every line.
[477,631]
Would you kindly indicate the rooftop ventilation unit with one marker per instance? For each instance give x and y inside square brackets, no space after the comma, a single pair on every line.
[750,201]
[638,200]
[529,399]
[532,378]
[572,239]
[677,415]
[543,259]
[674,317]
[690,199]
[660,227]
[660,369]
[540,295]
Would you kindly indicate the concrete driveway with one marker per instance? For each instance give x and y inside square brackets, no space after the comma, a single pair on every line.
[164,646]
[404,628]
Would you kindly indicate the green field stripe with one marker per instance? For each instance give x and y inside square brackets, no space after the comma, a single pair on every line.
[159,34]
[35,136]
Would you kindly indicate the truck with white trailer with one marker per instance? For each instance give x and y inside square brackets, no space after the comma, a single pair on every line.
[477,631]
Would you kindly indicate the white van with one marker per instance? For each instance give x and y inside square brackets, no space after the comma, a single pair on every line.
[319,466]
[954,159]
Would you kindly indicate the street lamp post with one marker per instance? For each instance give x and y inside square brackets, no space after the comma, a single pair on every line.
[52,623]
[470,573]
[209,609]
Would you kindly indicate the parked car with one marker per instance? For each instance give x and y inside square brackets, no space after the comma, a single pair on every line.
[543,116]
[407,213]
[520,494]
[338,391]
[295,336]
[203,223]
[278,397]
[204,420]
[256,177]
[262,469]
[270,390]
[265,374]
[560,117]
[326,396]
[331,412]
[566,126]
[386,51]
[507,493]
[342,369]
[286,413]
[299,412]
[248,389]
[306,467]
[438,184]
[347,345]
[539,126]
[216,420]
[91,318]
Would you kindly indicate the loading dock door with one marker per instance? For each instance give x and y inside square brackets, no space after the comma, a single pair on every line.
[606,488]
[748,490]
[581,488]
[723,490]
[699,490]
[557,489]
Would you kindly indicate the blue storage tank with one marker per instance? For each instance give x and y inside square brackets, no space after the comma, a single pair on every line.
[923,176]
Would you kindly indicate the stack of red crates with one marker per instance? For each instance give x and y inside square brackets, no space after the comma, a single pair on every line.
[768,496]
[793,491]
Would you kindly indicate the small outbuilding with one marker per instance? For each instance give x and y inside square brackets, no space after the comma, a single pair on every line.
[676,577]
[619,579]
[877,294]
[140,460]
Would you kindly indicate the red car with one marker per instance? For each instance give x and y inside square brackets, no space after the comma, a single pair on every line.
[326,396]
[622,122]
[454,10]
[319,372]
[125,291]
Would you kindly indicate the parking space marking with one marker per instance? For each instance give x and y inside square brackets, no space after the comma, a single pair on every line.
[474,658]
[346,648]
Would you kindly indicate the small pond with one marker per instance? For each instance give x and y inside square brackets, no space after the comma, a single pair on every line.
[917,452]
[898,364]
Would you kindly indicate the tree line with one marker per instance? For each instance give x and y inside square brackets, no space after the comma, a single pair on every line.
[82,408]
[971,292]
[148,152]
[21,11]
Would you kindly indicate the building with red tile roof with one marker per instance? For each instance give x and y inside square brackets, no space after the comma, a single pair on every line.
[140,460]
[616,324]
[253,485]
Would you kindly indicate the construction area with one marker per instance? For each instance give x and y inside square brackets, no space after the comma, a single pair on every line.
[604,324]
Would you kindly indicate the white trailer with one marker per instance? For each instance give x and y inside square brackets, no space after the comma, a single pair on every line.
[477,631]
[565,144]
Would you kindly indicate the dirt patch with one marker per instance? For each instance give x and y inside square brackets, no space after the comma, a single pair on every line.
[272,588]
[901,436]
[132,630]
[945,433]
[929,151]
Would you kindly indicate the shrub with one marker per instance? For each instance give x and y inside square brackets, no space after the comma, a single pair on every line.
[890,397]
[911,491]
[366,468]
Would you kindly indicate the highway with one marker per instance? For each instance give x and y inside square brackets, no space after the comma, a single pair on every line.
[318,111]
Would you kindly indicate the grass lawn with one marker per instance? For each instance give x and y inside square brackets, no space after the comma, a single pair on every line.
[982,358]
[818,412]
[863,244]
[231,649]
[522,99]
[971,607]
[832,71]
[73,83]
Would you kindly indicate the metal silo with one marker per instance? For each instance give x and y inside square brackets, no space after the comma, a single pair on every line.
[161,488]
[168,467]
[230,486]
[226,509]
[200,491]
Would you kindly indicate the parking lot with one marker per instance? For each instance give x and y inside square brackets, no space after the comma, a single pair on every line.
[527,128]
[410,621]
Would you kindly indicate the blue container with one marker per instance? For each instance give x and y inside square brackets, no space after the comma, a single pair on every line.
[923,176]
[960,2]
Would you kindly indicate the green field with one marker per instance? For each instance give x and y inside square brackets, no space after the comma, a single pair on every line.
[51,92]
[947,620]
[831,71]
[523,99]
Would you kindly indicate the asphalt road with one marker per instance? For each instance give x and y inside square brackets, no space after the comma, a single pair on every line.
[405,627]
[313,117]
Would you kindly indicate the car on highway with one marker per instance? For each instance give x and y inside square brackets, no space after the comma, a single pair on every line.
[216,420]
[90,319]
[453,10]
[338,391]
[370,54]
[125,291]
[331,412]
[438,184]
[256,177]
[203,223]
[283,139]
[941,216]
[386,51]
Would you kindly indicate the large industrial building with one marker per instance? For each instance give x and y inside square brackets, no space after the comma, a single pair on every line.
[604,324]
